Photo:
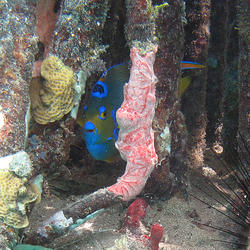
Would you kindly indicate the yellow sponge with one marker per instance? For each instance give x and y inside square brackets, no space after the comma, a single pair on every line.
[54,97]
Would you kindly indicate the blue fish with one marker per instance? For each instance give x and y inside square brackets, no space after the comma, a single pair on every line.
[99,125]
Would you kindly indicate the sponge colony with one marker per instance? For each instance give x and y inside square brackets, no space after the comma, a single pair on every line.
[52,98]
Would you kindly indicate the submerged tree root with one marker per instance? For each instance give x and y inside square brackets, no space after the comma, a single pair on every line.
[60,222]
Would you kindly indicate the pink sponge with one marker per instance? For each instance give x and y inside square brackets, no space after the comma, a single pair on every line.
[136,137]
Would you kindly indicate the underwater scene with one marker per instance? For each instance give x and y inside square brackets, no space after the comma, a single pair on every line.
[124,124]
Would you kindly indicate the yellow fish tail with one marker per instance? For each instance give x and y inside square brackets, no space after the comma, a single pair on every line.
[185,82]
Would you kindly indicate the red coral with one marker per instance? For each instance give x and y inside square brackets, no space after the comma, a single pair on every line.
[155,236]
[136,211]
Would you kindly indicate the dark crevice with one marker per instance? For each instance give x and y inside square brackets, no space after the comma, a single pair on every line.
[114,34]
[57,6]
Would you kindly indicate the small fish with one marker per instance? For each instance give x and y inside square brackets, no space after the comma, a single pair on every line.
[99,125]
[185,81]
[191,65]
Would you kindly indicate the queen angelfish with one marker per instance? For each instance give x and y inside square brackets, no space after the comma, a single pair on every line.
[99,126]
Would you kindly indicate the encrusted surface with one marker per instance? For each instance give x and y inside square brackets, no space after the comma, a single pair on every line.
[17,49]
[78,34]
[244,72]
[198,13]
[44,29]
[7,235]
[49,149]
[56,96]
[168,124]
[140,28]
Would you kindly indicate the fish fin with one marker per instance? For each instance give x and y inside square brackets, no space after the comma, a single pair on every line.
[191,65]
[185,82]
[113,158]
[105,72]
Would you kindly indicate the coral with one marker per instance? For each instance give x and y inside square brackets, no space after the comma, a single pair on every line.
[56,95]
[18,163]
[15,195]
[136,137]
[13,190]
[21,164]
[136,211]
[156,235]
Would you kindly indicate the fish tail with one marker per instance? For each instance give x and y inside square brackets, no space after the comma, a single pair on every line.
[185,82]
[191,65]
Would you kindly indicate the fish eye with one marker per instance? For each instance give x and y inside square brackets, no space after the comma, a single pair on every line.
[102,113]
[89,127]
[103,116]
[99,90]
